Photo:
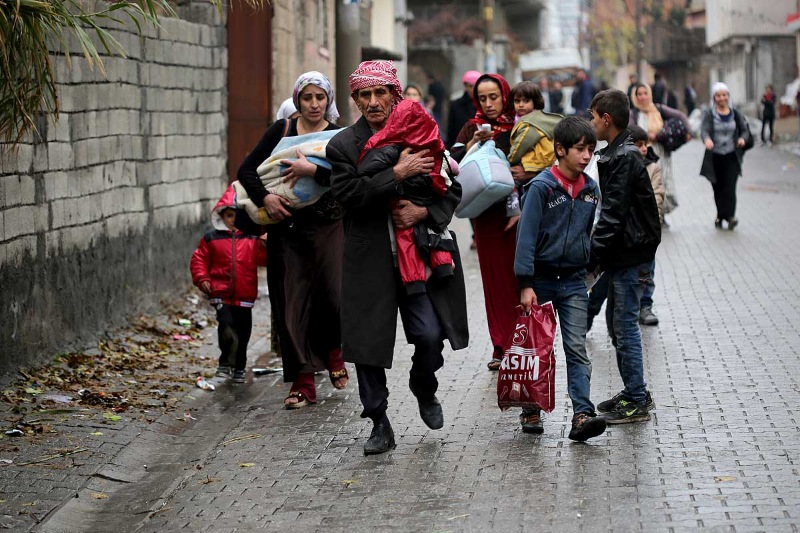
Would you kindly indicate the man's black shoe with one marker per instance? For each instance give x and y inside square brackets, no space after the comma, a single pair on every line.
[586,426]
[381,440]
[431,413]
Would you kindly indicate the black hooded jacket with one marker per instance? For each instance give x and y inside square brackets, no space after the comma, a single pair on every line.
[628,231]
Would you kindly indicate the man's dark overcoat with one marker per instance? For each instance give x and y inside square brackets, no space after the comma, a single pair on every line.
[370,281]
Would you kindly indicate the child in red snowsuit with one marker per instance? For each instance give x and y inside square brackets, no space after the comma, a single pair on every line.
[224,268]
[418,248]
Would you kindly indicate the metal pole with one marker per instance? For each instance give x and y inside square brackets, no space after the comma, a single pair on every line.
[490,64]
[639,44]
[348,54]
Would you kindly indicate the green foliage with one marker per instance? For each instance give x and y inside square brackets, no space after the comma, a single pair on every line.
[677,16]
[615,45]
[31,29]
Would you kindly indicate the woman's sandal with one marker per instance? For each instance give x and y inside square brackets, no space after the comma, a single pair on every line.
[302,400]
[494,364]
[336,377]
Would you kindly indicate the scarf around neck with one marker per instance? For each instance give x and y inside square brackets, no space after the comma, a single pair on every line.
[504,122]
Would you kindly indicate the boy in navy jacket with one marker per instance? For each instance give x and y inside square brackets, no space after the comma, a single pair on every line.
[553,245]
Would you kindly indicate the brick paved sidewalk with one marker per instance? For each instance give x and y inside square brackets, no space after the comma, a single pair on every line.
[720,452]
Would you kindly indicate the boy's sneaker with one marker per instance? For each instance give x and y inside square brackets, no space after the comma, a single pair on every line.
[532,422]
[608,405]
[586,426]
[626,412]
[223,371]
[647,317]
[239,376]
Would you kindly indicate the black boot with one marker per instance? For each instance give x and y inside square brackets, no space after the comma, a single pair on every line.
[431,413]
[381,440]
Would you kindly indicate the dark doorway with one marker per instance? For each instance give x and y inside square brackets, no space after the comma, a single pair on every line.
[249,79]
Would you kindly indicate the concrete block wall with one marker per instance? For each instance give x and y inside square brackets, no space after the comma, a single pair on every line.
[299,45]
[99,216]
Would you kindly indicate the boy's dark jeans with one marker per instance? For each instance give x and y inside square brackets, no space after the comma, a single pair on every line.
[235,326]
[624,296]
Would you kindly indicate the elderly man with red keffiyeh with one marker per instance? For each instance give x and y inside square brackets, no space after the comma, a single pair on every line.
[372,290]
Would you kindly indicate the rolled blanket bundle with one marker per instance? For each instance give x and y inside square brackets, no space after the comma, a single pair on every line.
[305,192]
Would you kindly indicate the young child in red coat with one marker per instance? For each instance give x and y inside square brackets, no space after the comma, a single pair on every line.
[421,251]
[224,267]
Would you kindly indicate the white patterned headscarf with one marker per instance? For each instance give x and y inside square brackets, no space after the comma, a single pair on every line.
[319,79]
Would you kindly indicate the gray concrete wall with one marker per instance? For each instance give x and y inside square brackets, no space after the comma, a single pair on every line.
[99,218]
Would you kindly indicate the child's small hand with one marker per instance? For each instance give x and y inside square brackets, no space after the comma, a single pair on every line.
[527,299]
[205,286]
[709,144]
[512,221]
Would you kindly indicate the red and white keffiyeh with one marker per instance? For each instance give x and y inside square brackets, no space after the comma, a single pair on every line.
[377,72]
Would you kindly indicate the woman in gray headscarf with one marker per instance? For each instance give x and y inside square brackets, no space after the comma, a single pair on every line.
[725,133]
[304,250]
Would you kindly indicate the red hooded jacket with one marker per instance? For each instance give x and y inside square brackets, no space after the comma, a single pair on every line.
[228,260]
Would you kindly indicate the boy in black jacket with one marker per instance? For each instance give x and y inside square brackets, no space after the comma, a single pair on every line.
[624,246]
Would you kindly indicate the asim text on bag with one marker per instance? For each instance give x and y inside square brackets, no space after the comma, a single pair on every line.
[528,371]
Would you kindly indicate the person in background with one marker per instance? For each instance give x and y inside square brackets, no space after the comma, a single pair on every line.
[633,80]
[658,89]
[462,108]
[544,89]
[557,98]
[224,267]
[724,131]
[287,110]
[651,117]
[495,228]
[414,92]
[437,90]
[689,98]
[583,93]
[768,113]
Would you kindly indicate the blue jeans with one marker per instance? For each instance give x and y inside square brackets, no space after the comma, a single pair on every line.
[624,294]
[570,302]
[649,288]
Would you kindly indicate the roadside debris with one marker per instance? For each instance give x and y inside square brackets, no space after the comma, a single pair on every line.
[203,383]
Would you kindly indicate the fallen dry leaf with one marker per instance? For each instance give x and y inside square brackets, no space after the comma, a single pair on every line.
[246,465]
[99,496]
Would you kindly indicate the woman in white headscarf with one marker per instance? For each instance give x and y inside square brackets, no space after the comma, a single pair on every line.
[651,118]
[287,110]
[725,134]
[304,250]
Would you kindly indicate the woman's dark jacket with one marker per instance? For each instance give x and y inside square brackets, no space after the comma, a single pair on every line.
[629,230]
[707,132]
[370,281]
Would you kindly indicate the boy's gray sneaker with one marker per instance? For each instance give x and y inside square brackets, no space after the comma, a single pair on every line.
[239,376]
[647,317]
[223,371]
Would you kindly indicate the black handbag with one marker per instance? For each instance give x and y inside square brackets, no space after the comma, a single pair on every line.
[673,135]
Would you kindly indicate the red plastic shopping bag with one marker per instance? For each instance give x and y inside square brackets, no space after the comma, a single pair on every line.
[527,375]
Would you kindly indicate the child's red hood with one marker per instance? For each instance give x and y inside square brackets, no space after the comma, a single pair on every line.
[228,200]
